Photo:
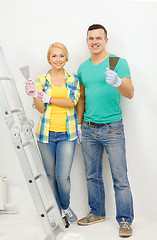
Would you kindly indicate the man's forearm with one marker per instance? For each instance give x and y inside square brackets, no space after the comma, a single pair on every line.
[126,89]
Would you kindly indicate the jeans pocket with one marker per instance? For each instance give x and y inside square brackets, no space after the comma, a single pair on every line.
[115,128]
[113,132]
[85,130]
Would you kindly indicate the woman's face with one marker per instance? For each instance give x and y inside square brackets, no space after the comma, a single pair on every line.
[57,58]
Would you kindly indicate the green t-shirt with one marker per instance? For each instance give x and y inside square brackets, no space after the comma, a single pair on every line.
[102,101]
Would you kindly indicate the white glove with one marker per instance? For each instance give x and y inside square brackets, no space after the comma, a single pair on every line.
[112,78]
[31,89]
[44,97]
[79,137]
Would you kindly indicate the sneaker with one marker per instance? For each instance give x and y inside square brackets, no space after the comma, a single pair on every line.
[125,229]
[71,216]
[90,219]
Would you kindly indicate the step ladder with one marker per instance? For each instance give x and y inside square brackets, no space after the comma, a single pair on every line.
[28,154]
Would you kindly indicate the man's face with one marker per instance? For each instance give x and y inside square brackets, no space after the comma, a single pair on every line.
[96,41]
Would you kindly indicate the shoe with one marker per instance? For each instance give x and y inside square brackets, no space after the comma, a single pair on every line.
[125,229]
[90,219]
[71,216]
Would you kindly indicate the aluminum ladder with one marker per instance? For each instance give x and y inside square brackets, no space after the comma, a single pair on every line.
[28,154]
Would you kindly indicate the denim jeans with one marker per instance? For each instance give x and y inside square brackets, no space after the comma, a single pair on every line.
[111,138]
[57,156]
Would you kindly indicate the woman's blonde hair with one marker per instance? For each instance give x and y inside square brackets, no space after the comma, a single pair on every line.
[59,45]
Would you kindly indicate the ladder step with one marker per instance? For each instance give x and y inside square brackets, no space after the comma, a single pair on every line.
[5,78]
[49,209]
[15,110]
[38,176]
[26,144]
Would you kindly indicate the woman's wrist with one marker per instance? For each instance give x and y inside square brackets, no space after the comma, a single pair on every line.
[50,102]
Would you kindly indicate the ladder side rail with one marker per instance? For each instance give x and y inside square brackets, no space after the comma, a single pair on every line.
[35,153]
[12,87]
[16,101]
[32,185]
[19,147]
[6,108]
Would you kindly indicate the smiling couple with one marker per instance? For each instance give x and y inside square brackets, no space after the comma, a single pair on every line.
[85,108]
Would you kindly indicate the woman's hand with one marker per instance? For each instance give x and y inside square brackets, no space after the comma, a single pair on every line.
[31,89]
[44,97]
[79,138]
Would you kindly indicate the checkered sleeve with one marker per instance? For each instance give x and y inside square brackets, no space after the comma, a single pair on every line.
[75,90]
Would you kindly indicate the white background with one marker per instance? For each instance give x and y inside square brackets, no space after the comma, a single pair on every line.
[27,28]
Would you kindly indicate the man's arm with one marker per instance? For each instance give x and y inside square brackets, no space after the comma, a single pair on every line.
[80,107]
[124,85]
[126,88]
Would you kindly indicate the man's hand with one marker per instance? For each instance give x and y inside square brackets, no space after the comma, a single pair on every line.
[31,89]
[44,97]
[79,138]
[112,78]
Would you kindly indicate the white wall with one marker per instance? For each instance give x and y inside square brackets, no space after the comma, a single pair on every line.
[27,28]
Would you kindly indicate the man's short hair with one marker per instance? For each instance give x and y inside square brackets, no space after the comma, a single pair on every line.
[97,26]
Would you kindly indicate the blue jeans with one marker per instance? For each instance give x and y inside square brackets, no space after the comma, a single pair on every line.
[57,156]
[111,138]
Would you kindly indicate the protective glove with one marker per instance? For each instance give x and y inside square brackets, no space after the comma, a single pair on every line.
[79,137]
[31,89]
[112,78]
[44,97]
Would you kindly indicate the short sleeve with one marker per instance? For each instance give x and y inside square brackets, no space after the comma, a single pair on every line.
[122,68]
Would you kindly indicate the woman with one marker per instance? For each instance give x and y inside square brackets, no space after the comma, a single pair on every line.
[55,96]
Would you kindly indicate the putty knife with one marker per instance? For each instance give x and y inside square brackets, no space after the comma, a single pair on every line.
[25,71]
[113,62]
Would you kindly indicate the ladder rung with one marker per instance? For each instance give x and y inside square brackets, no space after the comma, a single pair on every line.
[5,78]
[26,144]
[15,110]
[49,209]
[38,176]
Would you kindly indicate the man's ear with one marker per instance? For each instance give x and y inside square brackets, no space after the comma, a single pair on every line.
[106,40]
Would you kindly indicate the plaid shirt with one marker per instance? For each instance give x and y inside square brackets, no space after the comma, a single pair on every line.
[43,83]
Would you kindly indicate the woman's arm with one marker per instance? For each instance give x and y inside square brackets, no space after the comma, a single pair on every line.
[39,105]
[62,102]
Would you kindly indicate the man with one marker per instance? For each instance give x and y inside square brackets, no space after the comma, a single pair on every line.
[99,105]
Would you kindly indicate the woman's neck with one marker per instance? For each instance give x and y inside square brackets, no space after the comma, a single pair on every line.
[57,77]
[57,72]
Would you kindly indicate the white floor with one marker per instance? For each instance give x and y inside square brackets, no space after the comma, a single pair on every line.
[17,227]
